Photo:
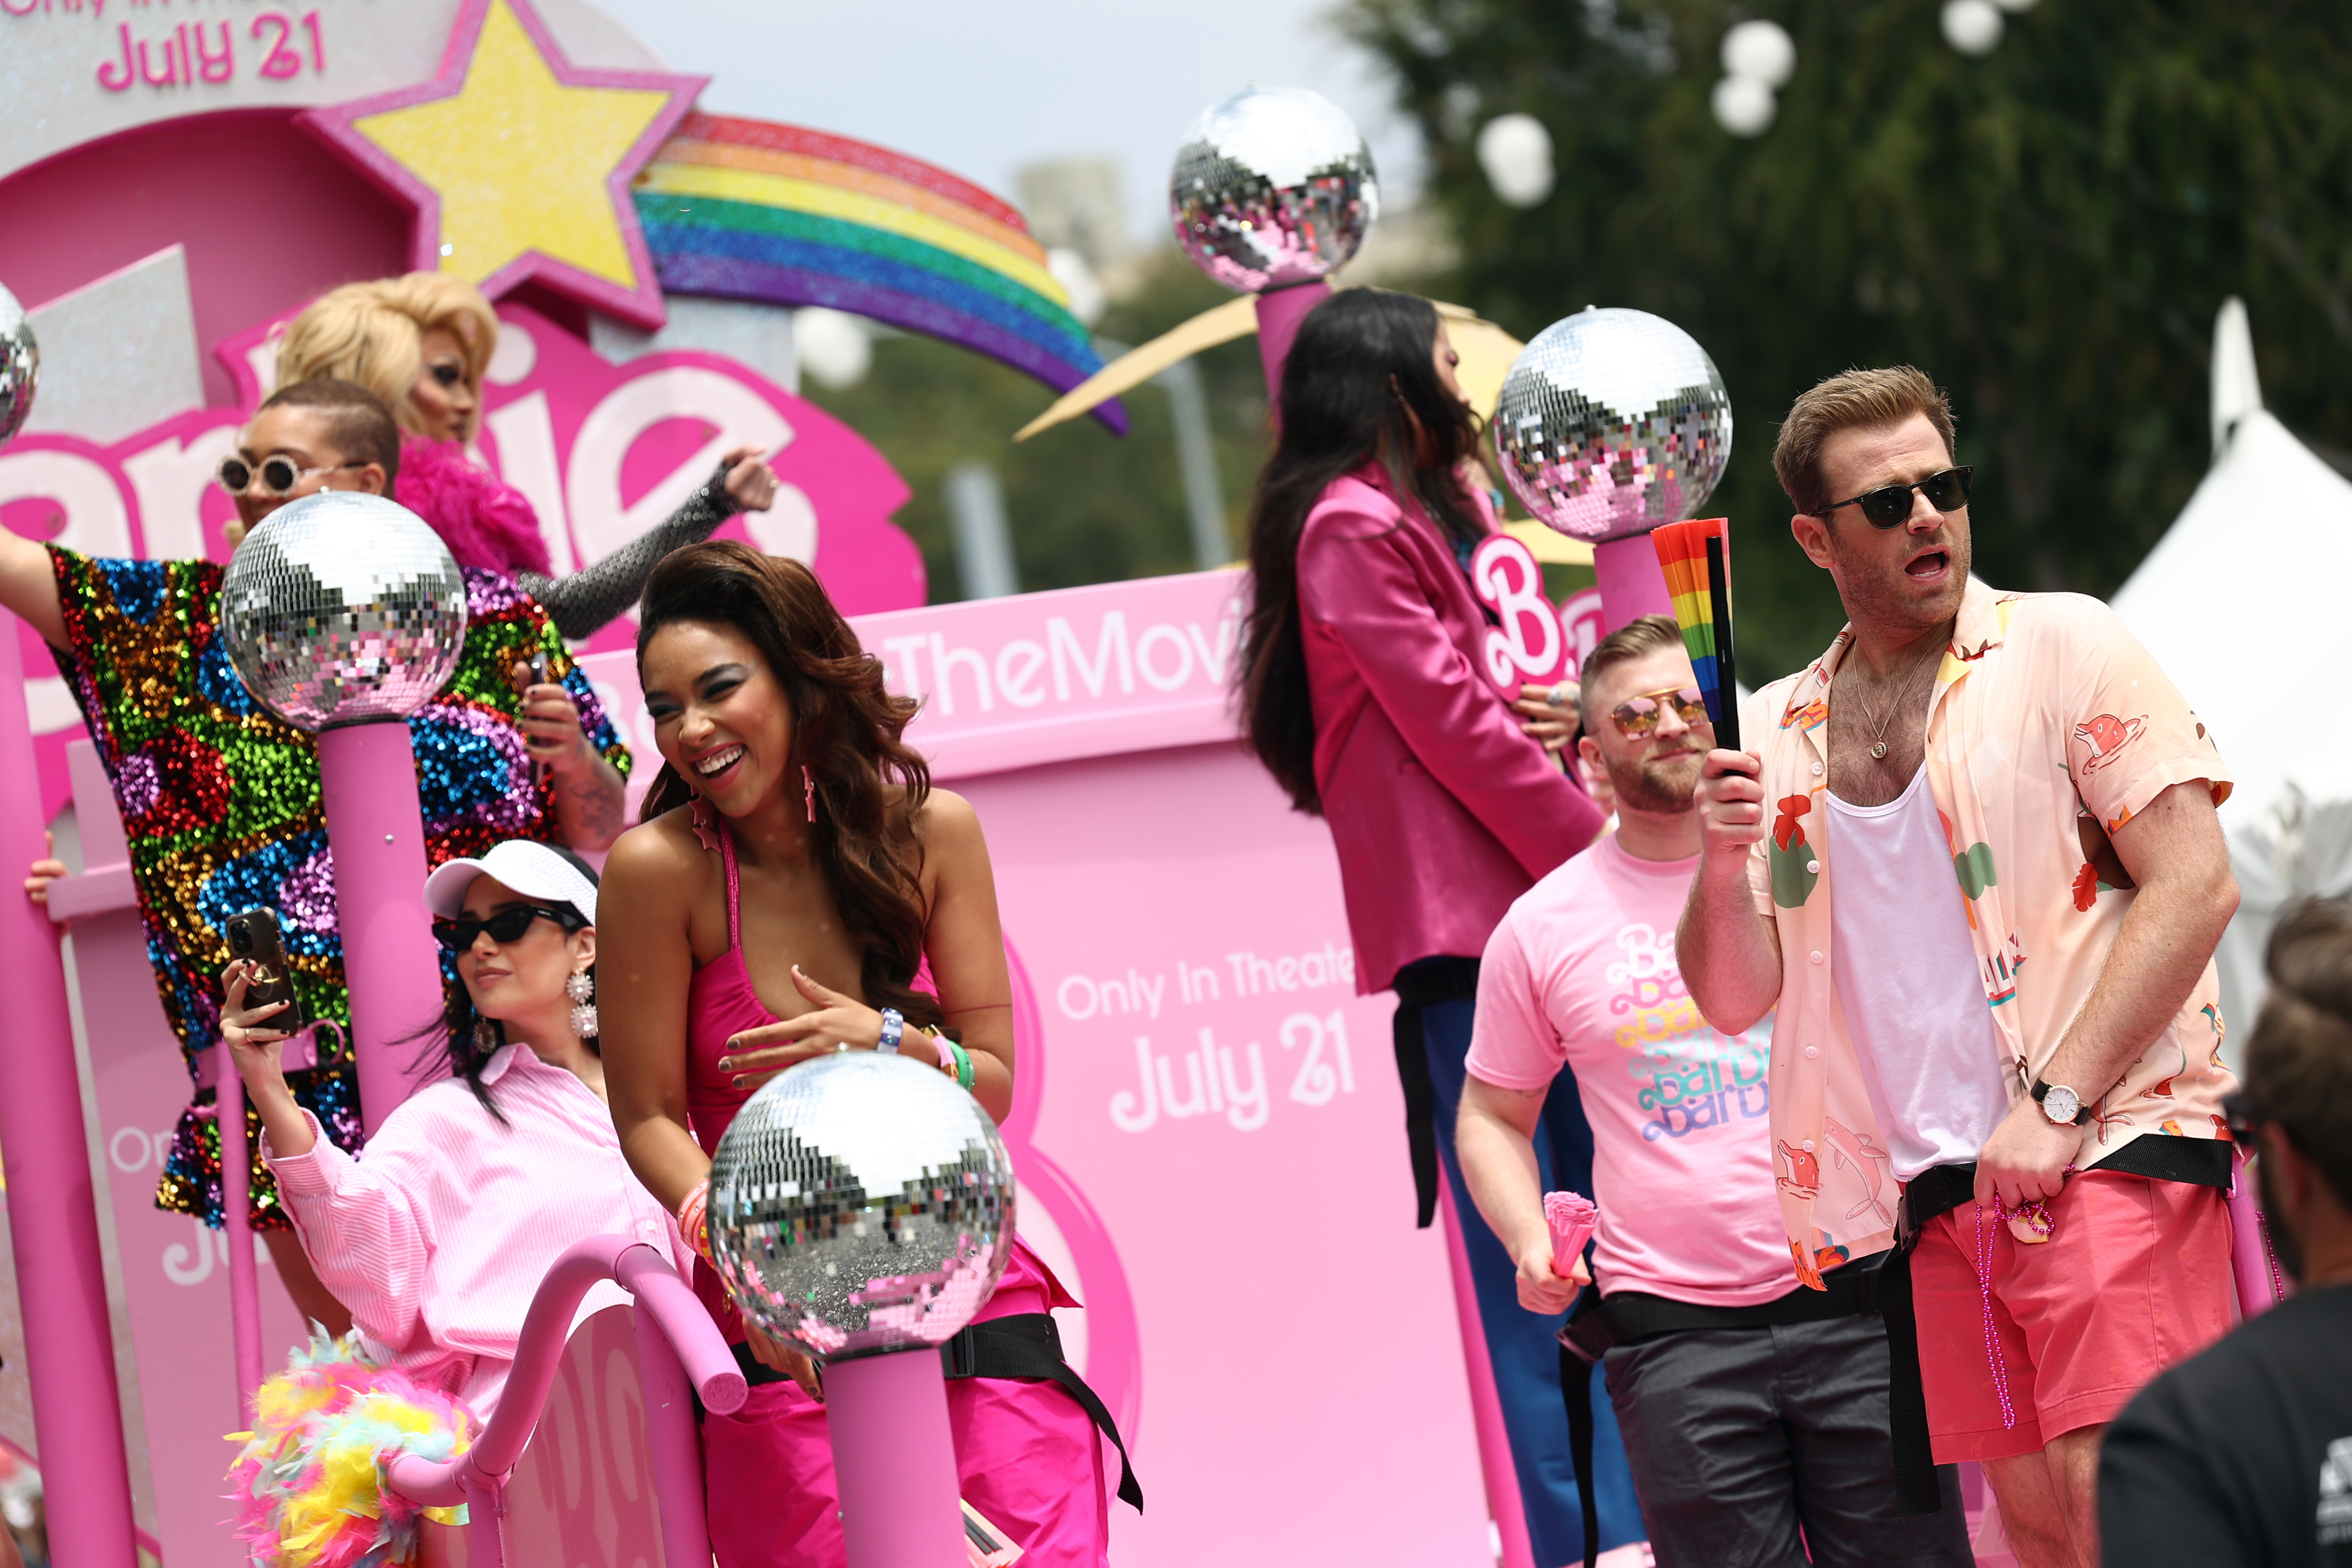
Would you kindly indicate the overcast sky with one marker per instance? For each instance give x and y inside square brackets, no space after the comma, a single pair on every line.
[981,89]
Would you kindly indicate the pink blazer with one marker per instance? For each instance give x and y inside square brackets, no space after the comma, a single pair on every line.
[1441,810]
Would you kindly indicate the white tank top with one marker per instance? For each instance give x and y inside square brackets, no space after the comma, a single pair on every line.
[1906,976]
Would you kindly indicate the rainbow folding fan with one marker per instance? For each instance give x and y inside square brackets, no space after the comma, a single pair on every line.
[1696,557]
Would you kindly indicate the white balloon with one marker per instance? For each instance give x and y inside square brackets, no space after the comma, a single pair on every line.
[1515,152]
[833,346]
[1744,106]
[1762,51]
[1972,26]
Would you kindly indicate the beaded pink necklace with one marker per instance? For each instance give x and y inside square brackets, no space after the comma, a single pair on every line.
[1985,1240]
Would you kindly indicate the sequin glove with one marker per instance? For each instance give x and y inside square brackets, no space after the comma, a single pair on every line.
[586,600]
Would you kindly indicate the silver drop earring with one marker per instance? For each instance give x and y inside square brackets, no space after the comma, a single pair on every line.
[582,989]
[486,1037]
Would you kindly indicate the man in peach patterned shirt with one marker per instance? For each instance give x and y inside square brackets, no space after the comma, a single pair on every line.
[2010,1006]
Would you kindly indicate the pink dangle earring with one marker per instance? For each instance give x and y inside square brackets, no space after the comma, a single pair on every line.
[808,782]
[582,988]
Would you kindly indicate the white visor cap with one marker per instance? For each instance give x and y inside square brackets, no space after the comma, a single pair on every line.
[531,869]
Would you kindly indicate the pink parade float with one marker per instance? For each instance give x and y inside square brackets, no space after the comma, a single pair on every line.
[1192,1072]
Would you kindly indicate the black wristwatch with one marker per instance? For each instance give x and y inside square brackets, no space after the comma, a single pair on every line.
[2062,1105]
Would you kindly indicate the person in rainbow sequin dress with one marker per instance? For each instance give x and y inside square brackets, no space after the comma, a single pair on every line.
[221,799]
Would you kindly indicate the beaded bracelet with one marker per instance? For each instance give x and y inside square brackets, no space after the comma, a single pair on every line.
[693,1220]
[894,1025]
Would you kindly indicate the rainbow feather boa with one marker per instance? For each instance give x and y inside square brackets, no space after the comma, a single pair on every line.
[310,1478]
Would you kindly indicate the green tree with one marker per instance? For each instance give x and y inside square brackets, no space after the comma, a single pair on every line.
[2047,230]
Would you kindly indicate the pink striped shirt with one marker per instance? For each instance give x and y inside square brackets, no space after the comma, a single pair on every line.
[437,1236]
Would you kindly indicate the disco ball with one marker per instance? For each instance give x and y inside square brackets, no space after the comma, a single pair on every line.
[342,607]
[1611,423]
[861,1203]
[20,366]
[1271,188]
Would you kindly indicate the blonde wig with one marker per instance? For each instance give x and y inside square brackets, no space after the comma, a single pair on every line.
[373,333]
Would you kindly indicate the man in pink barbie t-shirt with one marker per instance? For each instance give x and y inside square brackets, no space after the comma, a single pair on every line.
[1747,1401]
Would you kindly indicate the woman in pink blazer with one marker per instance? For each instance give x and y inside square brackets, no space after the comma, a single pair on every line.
[1364,692]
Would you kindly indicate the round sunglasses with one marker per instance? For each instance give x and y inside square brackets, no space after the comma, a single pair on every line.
[1888,507]
[506,926]
[279,476]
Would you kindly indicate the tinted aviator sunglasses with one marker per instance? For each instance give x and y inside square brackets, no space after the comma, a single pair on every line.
[507,925]
[1638,717]
[279,476]
[1886,508]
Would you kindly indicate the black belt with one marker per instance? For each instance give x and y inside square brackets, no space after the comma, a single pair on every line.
[1024,1345]
[1424,985]
[1576,1389]
[1933,1192]
[1852,1291]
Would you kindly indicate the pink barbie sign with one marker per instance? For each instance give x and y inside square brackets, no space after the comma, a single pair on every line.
[603,451]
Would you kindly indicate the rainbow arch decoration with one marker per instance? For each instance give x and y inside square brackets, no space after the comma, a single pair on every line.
[748,209]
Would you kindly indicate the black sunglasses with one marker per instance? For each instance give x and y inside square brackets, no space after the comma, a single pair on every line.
[507,925]
[1886,508]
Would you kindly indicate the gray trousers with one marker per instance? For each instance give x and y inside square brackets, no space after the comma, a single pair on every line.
[1739,1439]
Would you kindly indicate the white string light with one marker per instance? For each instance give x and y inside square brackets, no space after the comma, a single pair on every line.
[1758,56]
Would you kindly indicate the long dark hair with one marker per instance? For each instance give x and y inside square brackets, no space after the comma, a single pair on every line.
[453,1040]
[849,733]
[1360,376]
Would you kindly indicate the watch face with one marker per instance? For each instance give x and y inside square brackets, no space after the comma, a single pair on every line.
[2061,1104]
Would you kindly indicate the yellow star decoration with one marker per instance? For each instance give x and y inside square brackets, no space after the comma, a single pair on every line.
[520,160]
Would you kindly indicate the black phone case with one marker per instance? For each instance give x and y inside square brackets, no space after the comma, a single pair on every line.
[266,948]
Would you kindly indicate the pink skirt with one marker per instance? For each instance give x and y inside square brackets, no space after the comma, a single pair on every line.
[1027,1453]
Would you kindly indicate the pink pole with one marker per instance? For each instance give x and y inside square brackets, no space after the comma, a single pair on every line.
[236,1226]
[2251,1260]
[1279,312]
[1632,583]
[52,1201]
[894,1460]
[486,1537]
[674,1443]
[368,774]
[1504,1503]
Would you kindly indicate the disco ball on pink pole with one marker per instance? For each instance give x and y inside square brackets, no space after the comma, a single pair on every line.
[1273,190]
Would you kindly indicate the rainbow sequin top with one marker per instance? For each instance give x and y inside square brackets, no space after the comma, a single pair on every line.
[220,802]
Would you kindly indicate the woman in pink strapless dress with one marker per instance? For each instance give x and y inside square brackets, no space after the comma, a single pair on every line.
[794,877]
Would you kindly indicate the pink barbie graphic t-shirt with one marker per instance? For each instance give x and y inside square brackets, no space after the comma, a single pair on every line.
[1581,974]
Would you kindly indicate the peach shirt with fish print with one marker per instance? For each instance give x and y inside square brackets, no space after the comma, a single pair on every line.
[2050,727]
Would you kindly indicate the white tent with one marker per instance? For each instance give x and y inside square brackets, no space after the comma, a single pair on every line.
[2235,604]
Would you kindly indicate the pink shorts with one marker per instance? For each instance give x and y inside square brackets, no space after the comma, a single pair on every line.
[2135,1278]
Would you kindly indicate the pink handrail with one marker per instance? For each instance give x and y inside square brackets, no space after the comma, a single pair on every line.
[679,1347]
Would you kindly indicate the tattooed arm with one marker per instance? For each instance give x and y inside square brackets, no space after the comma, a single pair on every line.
[588,788]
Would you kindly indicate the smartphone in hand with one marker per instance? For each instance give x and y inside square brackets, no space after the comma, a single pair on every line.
[527,673]
[254,936]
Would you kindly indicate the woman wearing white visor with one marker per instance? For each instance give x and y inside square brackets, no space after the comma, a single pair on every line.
[439,1232]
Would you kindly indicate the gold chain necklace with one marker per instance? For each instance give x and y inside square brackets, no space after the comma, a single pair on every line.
[1878,729]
